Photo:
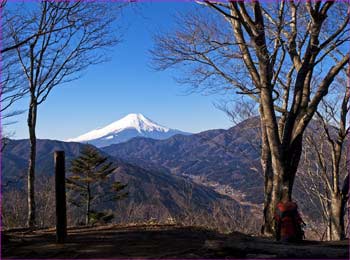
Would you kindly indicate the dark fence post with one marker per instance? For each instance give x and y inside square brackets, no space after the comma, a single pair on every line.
[60,183]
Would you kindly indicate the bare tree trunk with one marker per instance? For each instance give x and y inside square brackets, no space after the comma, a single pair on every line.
[338,198]
[344,203]
[269,206]
[87,220]
[276,155]
[336,216]
[342,217]
[337,212]
[291,165]
[329,236]
[277,176]
[31,168]
[269,203]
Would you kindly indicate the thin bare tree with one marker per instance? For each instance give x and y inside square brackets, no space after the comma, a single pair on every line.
[77,35]
[326,178]
[11,82]
[271,52]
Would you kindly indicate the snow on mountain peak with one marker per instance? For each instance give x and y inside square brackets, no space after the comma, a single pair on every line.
[132,121]
[139,122]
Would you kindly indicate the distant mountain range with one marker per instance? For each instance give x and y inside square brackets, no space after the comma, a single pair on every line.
[152,194]
[216,169]
[213,171]
[130,126]
[228,161]
[222,159]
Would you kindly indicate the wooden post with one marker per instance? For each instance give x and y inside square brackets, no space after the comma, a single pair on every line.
[60,184]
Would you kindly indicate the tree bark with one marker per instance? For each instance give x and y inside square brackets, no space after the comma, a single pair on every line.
[87,220]
[269,206]
[279,174]
[344,201]
[32,115]
[339,197]
[291,165]
[336,217]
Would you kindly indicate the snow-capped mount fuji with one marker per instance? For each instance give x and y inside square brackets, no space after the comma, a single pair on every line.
[130,126]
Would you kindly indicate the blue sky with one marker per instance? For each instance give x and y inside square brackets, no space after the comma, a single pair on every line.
[126,84]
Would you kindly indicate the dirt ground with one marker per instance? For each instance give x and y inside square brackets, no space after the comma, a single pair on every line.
[159,242]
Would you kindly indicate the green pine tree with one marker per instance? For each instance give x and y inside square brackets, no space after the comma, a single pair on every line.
[87,173]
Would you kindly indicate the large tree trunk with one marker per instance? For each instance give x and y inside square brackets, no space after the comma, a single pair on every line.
[31,168]
[292,159]
[271,145]
[269,206]
[279,172]
[277,158]
[277,180]
[339,199]
[270,201]
[345,200]
[336,228]
[337,212]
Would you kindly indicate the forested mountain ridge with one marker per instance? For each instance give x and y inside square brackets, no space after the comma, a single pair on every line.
[226,157]
[153,195]
[228,161]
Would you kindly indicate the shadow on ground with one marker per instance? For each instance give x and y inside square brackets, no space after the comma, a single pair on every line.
[159,242]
